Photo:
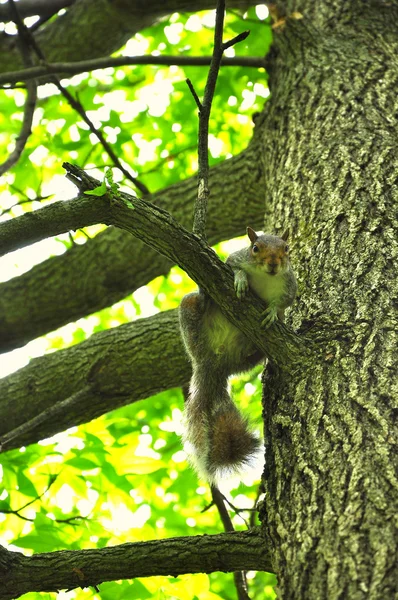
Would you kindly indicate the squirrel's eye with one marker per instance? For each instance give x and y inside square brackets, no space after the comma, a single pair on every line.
[255,248]
[286,248]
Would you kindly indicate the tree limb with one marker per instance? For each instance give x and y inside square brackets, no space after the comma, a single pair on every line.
[159,229]
[94,28]
[53,571]
[239,576]
[114,263]
[199,221]
[50,220]
[84,66]
[31,96]
[111,369]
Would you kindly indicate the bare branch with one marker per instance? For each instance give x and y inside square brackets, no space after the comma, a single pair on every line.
[51,414]
[31,98]
[50,220]
[84,66]
[194,94]
[239,576]
[238,38]
[42,399]
[67,569]
[200,213]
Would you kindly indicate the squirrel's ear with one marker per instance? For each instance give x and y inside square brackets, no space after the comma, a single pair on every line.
[285,235]
[252,234]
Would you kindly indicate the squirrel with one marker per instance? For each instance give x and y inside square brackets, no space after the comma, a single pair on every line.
[218,437]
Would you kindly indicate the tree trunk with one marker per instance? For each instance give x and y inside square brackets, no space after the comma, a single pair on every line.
[331,164]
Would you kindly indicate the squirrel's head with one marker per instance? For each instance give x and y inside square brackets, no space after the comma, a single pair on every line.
[270,252]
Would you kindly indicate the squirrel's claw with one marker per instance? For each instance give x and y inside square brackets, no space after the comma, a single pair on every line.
[269,314]
[241,285]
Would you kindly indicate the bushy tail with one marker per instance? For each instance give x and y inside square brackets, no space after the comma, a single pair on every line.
[218,438]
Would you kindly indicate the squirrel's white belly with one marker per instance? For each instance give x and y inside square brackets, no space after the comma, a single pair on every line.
[223,336]
[267,287]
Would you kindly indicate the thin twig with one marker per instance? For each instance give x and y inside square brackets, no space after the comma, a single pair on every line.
[31,97]
[77,106]
[239,576]
[85,66]
[199,224]
[25,201]
[194,94]
[238,38]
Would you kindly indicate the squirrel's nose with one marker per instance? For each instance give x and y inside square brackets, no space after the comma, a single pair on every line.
[273,266]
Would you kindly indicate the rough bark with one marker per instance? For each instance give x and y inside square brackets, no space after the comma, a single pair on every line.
[95,28]
[114,263]
[54,571]
[113,368]
[330,511]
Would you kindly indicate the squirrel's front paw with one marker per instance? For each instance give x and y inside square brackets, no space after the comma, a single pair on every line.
[241,285]
[269,315]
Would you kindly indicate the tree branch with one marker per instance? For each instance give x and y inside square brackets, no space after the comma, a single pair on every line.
[111,369]
[31,97]
[84,66]
[51,220]
[200,214]
[113,264]
[53,571]
[96,28]
[239,576]
[159,229]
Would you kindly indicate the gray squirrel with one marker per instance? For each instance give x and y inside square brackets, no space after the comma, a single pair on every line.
[219,439]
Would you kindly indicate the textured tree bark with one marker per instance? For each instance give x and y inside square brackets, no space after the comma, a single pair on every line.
[111,369]
[114,263]
[331,172]
[53,571]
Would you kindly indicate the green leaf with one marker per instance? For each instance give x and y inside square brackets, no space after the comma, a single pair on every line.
[25,485]
[98,191]
[84,464]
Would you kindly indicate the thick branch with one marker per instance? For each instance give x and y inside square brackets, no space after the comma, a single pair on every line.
[114,263]
[55,571]
[84,66]
[111,369]
[159,229]
[49,221]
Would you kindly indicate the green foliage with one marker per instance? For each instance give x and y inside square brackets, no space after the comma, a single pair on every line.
[124,477]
